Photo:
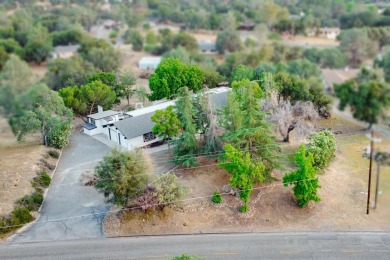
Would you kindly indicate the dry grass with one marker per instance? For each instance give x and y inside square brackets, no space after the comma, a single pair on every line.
[273,207]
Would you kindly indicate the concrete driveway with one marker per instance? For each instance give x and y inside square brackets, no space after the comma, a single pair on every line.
[67,199]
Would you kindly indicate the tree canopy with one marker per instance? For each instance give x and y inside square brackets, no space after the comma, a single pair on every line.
[171,75]
[304,180]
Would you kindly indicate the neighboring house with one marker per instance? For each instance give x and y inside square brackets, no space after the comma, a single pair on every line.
[247,26]
[133,129]
[149,63]
[65,51]
[207,46]
[110,24]
[328,33]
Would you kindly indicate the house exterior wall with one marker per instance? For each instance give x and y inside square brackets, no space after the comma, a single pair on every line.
[138,141]
[91,132]
[150,65]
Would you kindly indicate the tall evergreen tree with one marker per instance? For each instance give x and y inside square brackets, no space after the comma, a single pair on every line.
[186,145]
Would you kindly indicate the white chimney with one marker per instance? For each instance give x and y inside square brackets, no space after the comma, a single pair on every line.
[100,109]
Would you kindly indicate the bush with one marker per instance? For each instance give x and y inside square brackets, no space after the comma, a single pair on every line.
[216,197]
[244,208]
[31,202]
[43,179]
[113,34]
[21,216]
[323,147]
[54,153]
[169,190]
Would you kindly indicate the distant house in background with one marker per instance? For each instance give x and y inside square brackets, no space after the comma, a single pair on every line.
[65,51]
[133,129]
[247,26]
[207,46]
[150,63]
[328,33]
[110,24]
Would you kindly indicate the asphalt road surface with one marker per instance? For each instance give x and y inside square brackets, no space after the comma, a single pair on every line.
[68,199]
[231,246]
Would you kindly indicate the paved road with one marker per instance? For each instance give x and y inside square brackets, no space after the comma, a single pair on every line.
[234,246]
[67,198]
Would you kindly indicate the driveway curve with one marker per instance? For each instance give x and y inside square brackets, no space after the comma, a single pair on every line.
[67,199]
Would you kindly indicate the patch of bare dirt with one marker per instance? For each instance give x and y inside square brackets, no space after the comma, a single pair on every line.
[273,207]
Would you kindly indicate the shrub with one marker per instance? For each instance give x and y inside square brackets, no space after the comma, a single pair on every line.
[54,153]
[43,179]
[21,216]
[168,189]
[31,202]
[244,208]
[323,147]
[216,197]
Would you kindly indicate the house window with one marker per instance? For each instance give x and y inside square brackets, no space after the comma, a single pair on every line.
[149,137]
[92,121]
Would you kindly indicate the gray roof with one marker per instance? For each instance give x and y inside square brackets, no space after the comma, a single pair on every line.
[135,126]
[142,124]
[103,114]
[89,126]
[207,46]
[220,99]
[66,48]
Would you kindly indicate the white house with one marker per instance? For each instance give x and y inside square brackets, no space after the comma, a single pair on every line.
[328,33]
[133,129]
[65,51]
[98,122]
[207,46]
[149,63]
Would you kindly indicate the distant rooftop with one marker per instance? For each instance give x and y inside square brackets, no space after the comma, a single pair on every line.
[103,114]
[153,108]
[150,60]
[66,48]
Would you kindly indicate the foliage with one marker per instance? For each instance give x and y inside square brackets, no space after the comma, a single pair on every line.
[21,216]
[31,202]
[245,172]
[135,38]
[38,46]
[84,100]
[242,72]
[67,72]
[67,37]
[303,68]
[304,180]
[368,100]
[172,74]
[357,46]
[216,197]
[246,124]
[322,146]
[15,79]
[42,110]
[107,59]
[125,85]
[212,78]
[59,136]
[169,190]
[54,153]
[122,176]
[148,201]
[186,145]
[3,57]
[385,64]
[179,53]
[299,117]
[228,40]
[167,124]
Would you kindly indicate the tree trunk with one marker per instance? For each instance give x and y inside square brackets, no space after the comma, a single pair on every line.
[287,138]
[128,100]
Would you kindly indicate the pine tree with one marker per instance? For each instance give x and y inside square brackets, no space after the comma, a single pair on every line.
[187,145]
